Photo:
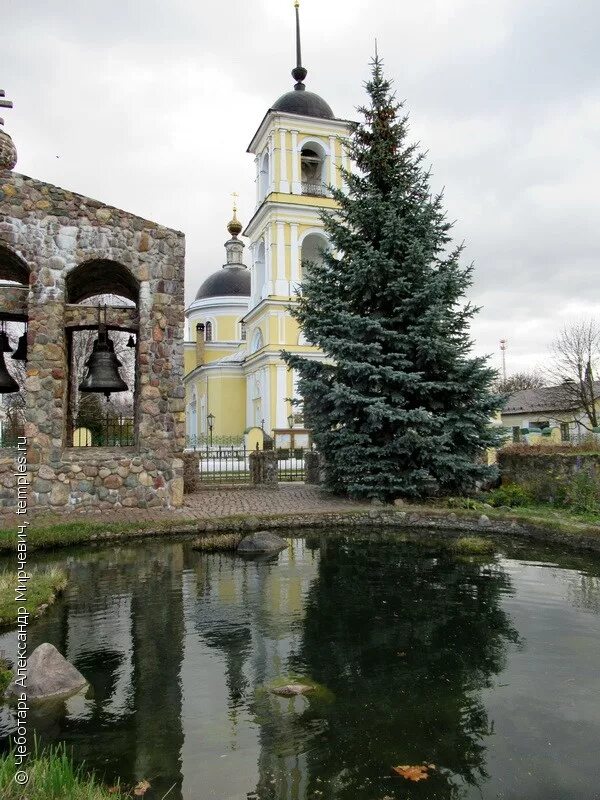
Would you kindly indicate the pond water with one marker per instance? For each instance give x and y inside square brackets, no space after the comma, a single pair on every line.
[485,667]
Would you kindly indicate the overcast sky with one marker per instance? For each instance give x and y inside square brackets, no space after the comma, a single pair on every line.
[150,106]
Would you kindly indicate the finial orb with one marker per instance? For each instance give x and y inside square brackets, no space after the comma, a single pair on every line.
[234,226]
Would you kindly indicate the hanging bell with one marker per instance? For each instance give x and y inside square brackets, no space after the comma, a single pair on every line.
[7,383]
[4,342]
[103,368]
[131,341]
[20,353]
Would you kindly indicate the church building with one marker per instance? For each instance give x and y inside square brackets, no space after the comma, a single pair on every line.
[240,322]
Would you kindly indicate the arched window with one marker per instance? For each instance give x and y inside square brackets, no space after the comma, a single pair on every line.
[264,178]
[259,274]
[257,341]
[312,250]
[208,332]
[243,331]
[312,170]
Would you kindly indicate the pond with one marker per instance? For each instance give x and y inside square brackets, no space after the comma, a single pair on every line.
[486,668]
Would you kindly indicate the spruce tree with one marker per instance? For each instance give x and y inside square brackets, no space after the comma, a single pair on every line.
[400,408]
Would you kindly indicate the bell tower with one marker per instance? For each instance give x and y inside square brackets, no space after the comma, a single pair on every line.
[298,150]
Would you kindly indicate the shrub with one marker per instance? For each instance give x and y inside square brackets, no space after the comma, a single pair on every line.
[547,490]
[462,502]
[510,494]
[582,493]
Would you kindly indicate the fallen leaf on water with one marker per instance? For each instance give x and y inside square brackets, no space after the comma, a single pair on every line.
[141,788]
[416,772]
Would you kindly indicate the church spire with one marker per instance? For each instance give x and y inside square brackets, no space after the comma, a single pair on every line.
[234,247]
[299,73]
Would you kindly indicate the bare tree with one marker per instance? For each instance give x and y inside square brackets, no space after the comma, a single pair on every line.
[519,381]
[576,363]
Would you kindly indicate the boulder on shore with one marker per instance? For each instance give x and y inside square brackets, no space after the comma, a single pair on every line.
[261,542]
[49,674]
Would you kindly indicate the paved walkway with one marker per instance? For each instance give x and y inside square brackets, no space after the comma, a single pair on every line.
[209,503]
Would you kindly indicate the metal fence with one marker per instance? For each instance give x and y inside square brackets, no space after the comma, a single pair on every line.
[105,431]
[230,466]
[290,464]
[315,189]
[224,465]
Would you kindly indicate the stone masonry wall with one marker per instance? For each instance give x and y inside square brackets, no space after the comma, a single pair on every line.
[52,231]
[551,468]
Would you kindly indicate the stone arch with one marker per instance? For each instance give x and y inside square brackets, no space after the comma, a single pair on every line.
[12,267]
[98,277]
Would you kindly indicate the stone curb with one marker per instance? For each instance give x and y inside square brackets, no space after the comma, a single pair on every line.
[438,522]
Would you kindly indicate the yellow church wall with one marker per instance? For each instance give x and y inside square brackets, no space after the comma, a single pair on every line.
[226,399]
[301,200]
[189,359]
[225,326]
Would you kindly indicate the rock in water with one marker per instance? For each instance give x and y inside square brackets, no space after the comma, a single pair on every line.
[49,674]
[291,689]
[261,542]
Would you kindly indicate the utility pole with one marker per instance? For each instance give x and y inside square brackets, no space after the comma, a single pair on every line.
[503,343]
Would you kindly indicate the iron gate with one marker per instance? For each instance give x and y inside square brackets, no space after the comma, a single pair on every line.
[290,464]
[224,465]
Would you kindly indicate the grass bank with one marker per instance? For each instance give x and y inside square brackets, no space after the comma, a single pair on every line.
[454,512]
[42,588]
[52,776]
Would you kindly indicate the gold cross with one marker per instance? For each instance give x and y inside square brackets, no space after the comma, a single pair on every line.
[235,196]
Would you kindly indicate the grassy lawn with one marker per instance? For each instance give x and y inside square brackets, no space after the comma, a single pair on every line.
[42,587]
[52,776]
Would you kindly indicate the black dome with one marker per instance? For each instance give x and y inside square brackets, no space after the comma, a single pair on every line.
[227,281]
[302,102]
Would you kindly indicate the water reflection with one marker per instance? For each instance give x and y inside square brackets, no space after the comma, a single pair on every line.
[405,642]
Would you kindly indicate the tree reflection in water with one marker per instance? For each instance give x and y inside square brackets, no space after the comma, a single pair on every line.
[406,639]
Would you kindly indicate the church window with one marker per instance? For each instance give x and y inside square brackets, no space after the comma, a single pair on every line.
[312,164]
[257,341]
[264,178]
[208,332]
[243,332]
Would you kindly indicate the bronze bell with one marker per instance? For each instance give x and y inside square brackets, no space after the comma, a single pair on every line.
[7,383]
[4,342]
[20,353]
[131,341]
[103,367]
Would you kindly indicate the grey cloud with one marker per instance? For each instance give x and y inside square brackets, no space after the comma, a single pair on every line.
[150,107]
